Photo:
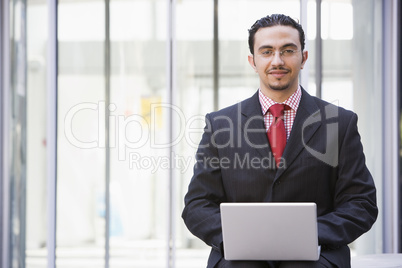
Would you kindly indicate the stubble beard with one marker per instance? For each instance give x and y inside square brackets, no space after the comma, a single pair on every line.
[279,87]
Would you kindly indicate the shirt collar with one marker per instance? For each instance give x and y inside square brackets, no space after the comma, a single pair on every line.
[293,101]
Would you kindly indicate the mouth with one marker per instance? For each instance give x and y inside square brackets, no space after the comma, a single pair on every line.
[278,73]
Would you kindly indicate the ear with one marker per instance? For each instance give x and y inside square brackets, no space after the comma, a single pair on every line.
[252,62]
[304,59]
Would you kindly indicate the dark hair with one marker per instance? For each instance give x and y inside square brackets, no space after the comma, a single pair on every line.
[273,20]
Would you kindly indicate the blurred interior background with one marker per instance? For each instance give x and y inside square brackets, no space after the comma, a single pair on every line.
[134,81]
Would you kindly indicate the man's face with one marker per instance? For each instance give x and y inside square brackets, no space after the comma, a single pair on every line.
[277,72]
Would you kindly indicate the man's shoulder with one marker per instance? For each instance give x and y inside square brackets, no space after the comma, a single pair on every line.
[239,107]
[332,106]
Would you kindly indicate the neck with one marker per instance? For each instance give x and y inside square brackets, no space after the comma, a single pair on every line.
[279,96]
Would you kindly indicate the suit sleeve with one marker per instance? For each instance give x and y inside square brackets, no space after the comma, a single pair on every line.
[355,209]
[201,212]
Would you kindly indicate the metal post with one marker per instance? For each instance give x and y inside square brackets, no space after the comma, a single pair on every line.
[107,126]
[51,139]
[303,21]
[5,136]
[391,186]
[318,51]
[216,56]
[170,61]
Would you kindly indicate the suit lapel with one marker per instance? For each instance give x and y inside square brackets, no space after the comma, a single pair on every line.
[252,124]
[300,134]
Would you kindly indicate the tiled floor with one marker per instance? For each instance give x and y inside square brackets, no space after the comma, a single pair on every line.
[134,254]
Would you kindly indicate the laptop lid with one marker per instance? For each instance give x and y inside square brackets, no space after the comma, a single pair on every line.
[270,231]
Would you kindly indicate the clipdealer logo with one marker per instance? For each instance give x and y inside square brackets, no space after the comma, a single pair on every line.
[132,132]
[136,138]
[330,156]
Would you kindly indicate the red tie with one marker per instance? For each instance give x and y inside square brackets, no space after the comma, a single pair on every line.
[276,132]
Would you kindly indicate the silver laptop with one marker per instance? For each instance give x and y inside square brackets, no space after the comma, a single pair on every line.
[270,231]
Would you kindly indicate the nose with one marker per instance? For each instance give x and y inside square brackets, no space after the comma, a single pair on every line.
[277,59]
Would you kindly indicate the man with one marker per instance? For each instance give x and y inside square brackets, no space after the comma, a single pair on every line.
[322,160]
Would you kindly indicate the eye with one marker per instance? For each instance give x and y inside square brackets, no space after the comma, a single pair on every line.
[267,52]
[288,52]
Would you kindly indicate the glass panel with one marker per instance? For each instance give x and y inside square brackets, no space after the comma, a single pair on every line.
[310,33]
[36,250]
[352,79]
[138,126]
[194,98]
[237,81]
[337,35]
[81,154]
[367,102]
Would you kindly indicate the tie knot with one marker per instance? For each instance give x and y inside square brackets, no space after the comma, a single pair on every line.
[277,110]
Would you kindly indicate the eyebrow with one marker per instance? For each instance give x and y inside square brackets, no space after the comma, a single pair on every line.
[282,47]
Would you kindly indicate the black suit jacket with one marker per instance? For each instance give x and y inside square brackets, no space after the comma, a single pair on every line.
[323,162]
